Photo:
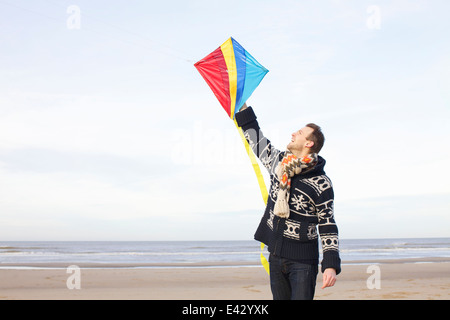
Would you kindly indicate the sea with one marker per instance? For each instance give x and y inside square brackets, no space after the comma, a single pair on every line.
[203,254]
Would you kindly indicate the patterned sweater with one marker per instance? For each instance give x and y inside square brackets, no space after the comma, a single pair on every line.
[310,203]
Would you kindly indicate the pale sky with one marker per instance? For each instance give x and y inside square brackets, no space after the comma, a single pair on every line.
[108,132]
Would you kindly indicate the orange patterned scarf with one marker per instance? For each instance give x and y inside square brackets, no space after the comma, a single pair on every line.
[287,168]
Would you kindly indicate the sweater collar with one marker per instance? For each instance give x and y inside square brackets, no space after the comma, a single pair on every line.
[317,170]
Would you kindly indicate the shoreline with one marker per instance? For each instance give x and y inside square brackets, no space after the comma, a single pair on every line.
[210,264]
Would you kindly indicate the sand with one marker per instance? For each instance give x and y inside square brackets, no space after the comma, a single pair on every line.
[398,280]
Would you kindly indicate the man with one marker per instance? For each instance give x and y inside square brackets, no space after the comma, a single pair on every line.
[300,198]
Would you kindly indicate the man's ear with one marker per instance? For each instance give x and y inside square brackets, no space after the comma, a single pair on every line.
[309,144]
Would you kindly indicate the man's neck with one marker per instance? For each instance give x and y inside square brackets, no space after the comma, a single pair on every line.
[300,154]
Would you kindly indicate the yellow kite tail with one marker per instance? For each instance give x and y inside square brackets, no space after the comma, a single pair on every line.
[262,185]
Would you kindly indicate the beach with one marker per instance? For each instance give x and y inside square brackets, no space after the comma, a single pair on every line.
[398,279]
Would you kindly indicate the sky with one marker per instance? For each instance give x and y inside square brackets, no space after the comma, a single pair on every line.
[108,132]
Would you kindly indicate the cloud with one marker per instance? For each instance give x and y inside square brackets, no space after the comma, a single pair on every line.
[109,128]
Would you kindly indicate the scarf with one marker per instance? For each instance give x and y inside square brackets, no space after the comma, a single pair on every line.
[287,168]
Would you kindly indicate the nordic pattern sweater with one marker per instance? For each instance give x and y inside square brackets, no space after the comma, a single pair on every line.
[310,204]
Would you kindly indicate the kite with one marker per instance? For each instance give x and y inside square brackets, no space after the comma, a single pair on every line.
[233,74]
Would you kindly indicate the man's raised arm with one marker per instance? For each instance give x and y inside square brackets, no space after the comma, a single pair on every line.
[261,146]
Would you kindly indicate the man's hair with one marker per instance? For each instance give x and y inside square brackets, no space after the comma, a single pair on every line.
[317,137]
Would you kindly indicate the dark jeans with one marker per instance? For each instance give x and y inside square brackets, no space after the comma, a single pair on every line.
[290,280]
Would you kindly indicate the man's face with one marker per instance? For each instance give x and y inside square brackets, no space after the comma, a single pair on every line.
[299,139]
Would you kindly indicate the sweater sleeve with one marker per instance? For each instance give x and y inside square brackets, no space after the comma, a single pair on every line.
[328,231]
[261,146]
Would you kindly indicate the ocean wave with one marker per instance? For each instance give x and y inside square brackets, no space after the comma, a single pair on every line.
[392,249]
[20,248]
[32,253]
[200,251]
